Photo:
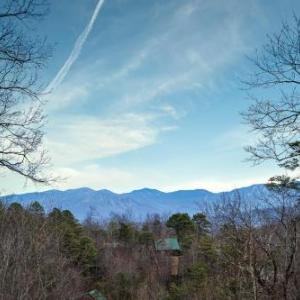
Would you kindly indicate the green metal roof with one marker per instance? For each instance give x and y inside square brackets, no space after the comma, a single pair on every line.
[168,244]
[96,295]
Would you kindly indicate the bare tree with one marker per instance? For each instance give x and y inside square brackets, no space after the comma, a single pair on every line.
[262,241]
[277,120]
[33,263]
[21,116]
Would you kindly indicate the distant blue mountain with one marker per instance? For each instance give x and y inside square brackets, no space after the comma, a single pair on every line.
[138,204]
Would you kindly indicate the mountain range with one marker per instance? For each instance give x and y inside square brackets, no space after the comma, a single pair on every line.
[136,204]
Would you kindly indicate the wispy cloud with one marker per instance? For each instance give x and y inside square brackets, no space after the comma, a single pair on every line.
[233,139]
[75,51]
[66,95]
[87,138]
[216,184]
[160,64]
[94,176]
[156,70]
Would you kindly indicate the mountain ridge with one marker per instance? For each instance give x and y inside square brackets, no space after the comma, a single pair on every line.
[138,203]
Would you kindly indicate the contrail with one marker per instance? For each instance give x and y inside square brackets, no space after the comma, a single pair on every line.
[75,51]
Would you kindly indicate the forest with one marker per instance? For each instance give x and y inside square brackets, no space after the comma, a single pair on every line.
[232,251]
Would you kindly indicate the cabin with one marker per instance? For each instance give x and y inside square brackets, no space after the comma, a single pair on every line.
[170,247]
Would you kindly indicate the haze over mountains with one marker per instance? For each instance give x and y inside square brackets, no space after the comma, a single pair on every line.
[138,203]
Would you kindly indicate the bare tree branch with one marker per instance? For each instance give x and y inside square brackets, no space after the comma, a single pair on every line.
[277,122]
[21,114]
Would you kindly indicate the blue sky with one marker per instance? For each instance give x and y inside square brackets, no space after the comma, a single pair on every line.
[154,97]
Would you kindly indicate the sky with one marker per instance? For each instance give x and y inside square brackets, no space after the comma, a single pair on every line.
[148,93]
